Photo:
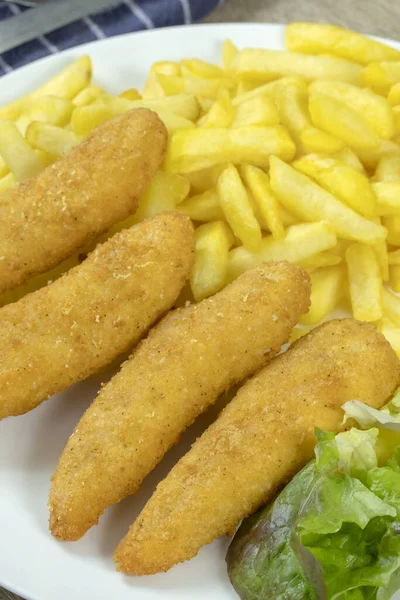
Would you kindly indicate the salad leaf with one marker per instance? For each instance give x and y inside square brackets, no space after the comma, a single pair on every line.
[333,532]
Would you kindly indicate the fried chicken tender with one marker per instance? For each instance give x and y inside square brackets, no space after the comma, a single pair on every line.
[80,196]
[187,361]
[258,443]
[62,333]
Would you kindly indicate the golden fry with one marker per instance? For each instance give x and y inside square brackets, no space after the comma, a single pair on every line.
[342,181]
[203,207]
[316,38]
[365,282]
[339,120]
[208,274]
[300,243]
[312,203]
[328,287]
[268,64]
[259,185]
[237,208]
[197,149]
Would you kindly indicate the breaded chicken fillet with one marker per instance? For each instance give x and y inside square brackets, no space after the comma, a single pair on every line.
[258,443]
[187,361]
[71,202]
[70,329]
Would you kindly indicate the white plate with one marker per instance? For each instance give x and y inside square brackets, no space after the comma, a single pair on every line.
[32,563]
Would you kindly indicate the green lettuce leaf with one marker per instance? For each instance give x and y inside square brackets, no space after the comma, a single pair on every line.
[332,533]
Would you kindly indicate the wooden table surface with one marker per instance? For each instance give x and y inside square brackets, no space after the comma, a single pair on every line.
[378,17]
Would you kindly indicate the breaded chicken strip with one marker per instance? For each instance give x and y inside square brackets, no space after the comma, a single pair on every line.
[187,361]
[64,332]
[80,196]
[258,443]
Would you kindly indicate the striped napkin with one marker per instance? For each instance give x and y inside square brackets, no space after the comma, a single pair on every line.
[126,16]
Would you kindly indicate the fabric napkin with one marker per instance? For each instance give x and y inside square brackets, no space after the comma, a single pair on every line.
[126,16]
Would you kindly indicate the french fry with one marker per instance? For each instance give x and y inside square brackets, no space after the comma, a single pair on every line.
[392,225]
[203,207]
[323,259]
[229,52]
[50,109]
[243,87]
[198,86]
[152,88]
[395,278]
[316,38]
[338,119]
[183,105]
[205,179]
[292,102]
[197,149]
[202,68]
[130,94]
[235,203]
[314,140]
[301,242]
[4,170]
[381,76]
[391,306]
[8,182]
[387,197]
[396,120]
[350,158]
[309,201]
[394,95]
[382,254]
[269,64]
[374,109]
[267,90]
[66,84]
[291,98]
[166,67]
[164,193]
[86,118]
[259,110]
[327,290]
[51,139]
[221,113]
[208,274]
[288,218]
[343,182]
[22,161]
[394,257]
[392,334]
[365,283]
[267,204]
[371,158]
[69,82]
[88,95]
[340,248]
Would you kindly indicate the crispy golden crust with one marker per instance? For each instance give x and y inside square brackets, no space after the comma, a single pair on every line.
[186,362]
[261,439]
[80,196]
[62,333]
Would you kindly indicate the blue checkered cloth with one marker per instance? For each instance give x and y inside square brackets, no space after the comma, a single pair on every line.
[126,16]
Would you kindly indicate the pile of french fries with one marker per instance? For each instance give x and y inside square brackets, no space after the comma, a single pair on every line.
[276,155]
